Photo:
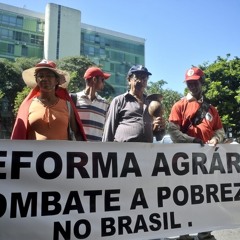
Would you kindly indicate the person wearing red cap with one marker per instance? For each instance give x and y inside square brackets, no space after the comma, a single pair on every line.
[47,113]
[193,120]
[92,108]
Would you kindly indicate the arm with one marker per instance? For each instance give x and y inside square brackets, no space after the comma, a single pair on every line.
[111,123]
[74,126]
[177,136]
[217,137]
[219,133]
[176,119]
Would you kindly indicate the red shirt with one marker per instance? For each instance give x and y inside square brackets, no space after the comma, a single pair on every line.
[183,110]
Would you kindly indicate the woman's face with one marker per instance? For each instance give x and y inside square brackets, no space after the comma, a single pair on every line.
[46,80]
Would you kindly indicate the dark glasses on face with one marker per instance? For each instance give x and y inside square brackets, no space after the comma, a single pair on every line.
[141,76]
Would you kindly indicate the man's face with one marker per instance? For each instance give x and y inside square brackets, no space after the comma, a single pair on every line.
[138,81]
[99,85]
[195,87]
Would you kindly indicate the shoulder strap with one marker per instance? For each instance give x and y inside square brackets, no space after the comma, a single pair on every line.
[197,117]
[200,114]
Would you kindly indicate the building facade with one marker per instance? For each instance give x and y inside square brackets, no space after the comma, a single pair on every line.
[60,33]
[21,33]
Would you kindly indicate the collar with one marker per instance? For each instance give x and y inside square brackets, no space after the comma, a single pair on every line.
[191,98]
[128,93]
[84,94]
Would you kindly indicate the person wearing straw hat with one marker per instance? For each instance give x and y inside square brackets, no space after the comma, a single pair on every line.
[48,112]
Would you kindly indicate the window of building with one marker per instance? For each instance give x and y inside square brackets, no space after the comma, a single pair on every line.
[102,52]
[11,20]
[121,68]
[25,37]
[36,39]
[118,79]
[24,51]
[3,33]
[112,67]
[97,39]
[17,36]
[40,26]
[130,58]
[10,49]
[91,51]
[19,22]
[102,42]
[117,56]
[4,19]
[91,38]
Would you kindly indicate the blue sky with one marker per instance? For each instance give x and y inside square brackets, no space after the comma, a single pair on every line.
[178,33]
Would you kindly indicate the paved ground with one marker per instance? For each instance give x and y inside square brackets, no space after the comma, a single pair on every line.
[228,234]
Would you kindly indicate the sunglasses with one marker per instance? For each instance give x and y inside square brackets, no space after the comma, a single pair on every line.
[141,76]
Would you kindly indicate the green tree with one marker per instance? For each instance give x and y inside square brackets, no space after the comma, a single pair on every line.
[25,63]
[22,64]
[77,66]
[1,94]
[222,88]
[10,80]
[19,99]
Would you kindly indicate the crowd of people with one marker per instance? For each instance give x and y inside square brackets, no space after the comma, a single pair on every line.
[50,112]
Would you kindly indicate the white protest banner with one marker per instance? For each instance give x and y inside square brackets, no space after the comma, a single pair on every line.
[54,190]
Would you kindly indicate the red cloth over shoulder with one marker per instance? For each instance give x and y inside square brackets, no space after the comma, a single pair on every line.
[21,122]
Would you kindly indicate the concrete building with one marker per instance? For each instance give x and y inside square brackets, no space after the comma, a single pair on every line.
[60,33]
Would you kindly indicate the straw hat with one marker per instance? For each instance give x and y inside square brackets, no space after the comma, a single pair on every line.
[29,75]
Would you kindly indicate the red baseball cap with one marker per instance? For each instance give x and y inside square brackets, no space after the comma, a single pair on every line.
[194,73]
[95,72]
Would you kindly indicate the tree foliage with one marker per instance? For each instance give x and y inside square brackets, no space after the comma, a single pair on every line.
[10,80]
[25,63]
[19,99]
[1,94]
[222,88]
[77,66]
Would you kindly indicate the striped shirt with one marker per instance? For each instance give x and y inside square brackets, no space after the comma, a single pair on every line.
[92,114]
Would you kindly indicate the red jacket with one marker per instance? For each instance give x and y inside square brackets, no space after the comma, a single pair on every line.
[20,126]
